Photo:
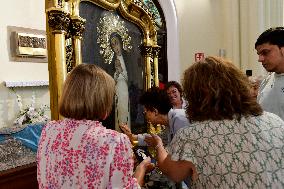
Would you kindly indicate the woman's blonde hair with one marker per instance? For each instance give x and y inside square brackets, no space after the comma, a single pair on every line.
[215,89]
[87,93]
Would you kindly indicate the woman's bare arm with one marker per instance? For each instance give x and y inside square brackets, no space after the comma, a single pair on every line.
[144,167]
[126,130]
[175,170]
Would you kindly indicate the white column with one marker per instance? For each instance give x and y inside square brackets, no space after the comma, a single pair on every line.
[170,14]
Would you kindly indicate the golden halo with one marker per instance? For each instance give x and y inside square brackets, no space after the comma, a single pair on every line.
[110,23]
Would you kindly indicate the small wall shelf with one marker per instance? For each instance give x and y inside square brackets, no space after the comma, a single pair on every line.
[38,83]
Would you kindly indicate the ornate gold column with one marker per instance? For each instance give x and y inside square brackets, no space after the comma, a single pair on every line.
[77,29]
[62,20]
[148,57]
[57,26]
[156,51]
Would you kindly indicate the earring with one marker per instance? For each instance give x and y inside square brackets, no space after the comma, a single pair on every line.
[156,112]
[105,116]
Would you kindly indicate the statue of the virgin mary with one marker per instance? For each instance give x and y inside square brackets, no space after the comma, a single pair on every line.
[113,39]
[122,106]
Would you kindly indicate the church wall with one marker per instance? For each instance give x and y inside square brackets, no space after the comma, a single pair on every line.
[201,29]
[27,14]
[233,26]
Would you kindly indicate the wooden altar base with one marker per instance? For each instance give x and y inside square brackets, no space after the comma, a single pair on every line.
[20,177]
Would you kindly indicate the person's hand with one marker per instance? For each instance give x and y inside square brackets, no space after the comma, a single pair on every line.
[153,140]
[194,175]
[145,165]
[126,130]
[118,67]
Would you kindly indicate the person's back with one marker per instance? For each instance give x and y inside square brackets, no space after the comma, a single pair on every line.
[230,142]
[84,154]
[78,152]
[245,153]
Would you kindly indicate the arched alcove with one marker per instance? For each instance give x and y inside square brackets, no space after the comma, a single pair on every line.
[173,56]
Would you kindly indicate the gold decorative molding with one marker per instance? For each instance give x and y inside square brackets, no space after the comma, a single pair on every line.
[133,11]
[31,40]
[148,54]
[147,51]
[31,45]
[69,55]
[77,26]
[106,4]
[156,51]
[58,20]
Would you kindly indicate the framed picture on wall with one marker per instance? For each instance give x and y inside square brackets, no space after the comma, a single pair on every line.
[27,45]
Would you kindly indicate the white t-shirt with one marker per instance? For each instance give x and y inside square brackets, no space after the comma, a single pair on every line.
[271,94]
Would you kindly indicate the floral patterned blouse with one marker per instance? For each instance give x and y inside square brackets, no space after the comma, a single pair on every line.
[234,154]
[84,154]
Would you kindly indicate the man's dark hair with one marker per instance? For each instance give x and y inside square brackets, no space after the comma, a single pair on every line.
[155,98]
[273,36]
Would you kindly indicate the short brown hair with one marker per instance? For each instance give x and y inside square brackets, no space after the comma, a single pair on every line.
[87,93]
[216,90]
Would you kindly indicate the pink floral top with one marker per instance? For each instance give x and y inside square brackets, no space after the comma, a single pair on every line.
[84,154]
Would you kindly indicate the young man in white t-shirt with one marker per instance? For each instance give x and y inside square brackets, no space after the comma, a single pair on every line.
[270,50]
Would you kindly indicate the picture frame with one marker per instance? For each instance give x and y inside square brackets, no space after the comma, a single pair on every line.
[27,45]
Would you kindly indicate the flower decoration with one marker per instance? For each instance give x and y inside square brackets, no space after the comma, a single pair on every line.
[30,114]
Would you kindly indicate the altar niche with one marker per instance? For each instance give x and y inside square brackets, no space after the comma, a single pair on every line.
[115,44]
[119,36]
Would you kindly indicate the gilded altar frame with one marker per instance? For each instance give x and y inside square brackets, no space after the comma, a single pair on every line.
[63,19]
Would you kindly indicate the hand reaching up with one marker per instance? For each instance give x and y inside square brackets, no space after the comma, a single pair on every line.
[126,130]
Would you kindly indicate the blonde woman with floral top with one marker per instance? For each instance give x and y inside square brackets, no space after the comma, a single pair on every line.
[78,151]
[231,142]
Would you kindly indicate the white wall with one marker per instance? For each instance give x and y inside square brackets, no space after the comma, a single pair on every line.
[208,26]
[201,29]
[27,14]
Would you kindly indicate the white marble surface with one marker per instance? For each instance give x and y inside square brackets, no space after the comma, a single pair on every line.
[26,83]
